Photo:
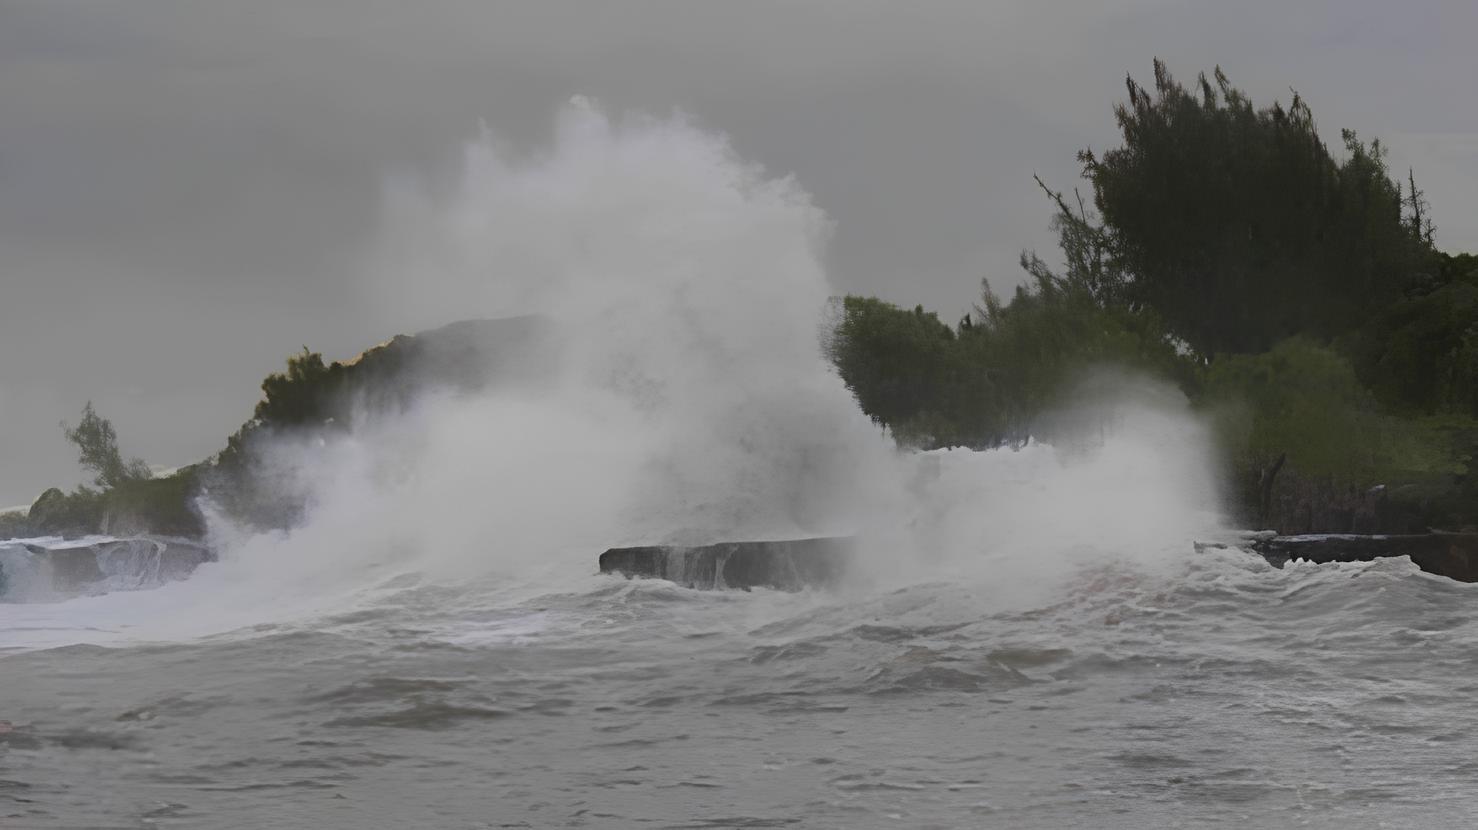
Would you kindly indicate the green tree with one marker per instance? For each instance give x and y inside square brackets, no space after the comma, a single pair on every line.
[1054,331]
[1089,267]
[905,369]
[1302,403]
[97,450]
[989,381]
[301,394]
[1420,353]
[1238,226]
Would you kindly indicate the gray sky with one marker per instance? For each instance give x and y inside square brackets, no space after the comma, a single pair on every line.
[187,189]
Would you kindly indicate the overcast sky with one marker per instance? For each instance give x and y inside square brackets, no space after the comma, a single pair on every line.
[187,189]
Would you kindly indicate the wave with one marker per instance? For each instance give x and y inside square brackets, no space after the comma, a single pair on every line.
[688,402]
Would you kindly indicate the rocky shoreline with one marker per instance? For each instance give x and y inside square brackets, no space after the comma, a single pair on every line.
[1453,555]
[797,564]
[50,568]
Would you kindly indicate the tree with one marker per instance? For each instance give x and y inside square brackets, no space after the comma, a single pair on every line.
[1420,216]
[1089,266]
[990,381]
[904,367]
[1420,353]
[1238,226]
[300,395]
[1302,404]
[97,450]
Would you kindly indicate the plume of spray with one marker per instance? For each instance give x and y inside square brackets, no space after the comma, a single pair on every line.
[686,401]
[1121,474]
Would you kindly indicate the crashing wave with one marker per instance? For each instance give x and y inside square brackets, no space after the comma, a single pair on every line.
[49,569]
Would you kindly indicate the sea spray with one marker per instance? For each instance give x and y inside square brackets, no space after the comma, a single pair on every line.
[1125,478]
[687,402]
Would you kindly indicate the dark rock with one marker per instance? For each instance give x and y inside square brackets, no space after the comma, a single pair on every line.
[785,565]
[1452,555]
[70,567]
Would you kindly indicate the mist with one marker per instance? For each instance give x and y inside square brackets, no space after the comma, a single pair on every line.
[682,397]
[687,399]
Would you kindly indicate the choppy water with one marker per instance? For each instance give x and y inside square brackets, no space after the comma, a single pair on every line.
[1220,692]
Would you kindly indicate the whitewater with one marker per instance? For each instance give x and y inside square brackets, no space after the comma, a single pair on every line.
[1029,636]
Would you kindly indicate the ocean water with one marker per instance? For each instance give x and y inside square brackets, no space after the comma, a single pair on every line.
[1215,692]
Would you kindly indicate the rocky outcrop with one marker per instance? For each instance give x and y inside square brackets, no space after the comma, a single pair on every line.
[38,570]
[784,565]
[1452,555]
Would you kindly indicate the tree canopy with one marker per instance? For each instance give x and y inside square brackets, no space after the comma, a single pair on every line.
[1295,296]
[1238,226]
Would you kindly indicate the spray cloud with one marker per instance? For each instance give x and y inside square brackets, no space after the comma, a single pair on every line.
[686,401]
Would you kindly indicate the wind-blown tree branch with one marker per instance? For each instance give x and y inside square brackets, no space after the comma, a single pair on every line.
[1420,216]
[97,450]
[1089,265]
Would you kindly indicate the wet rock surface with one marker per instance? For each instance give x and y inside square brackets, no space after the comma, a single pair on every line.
[785,565]
[1453,555]
[47,569]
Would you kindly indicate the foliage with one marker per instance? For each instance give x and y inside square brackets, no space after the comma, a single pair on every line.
[301,394]
[315,395]
[1089,265]
[309,395]
[1048,336]
[1238,226]
[14,524]
[97,450]
[128,499]
[903,366]
[78,513]
[988,382]
[312,398]
[1302,403]
[1305,400]
[163,505]
[1294,297]
[1421,352]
